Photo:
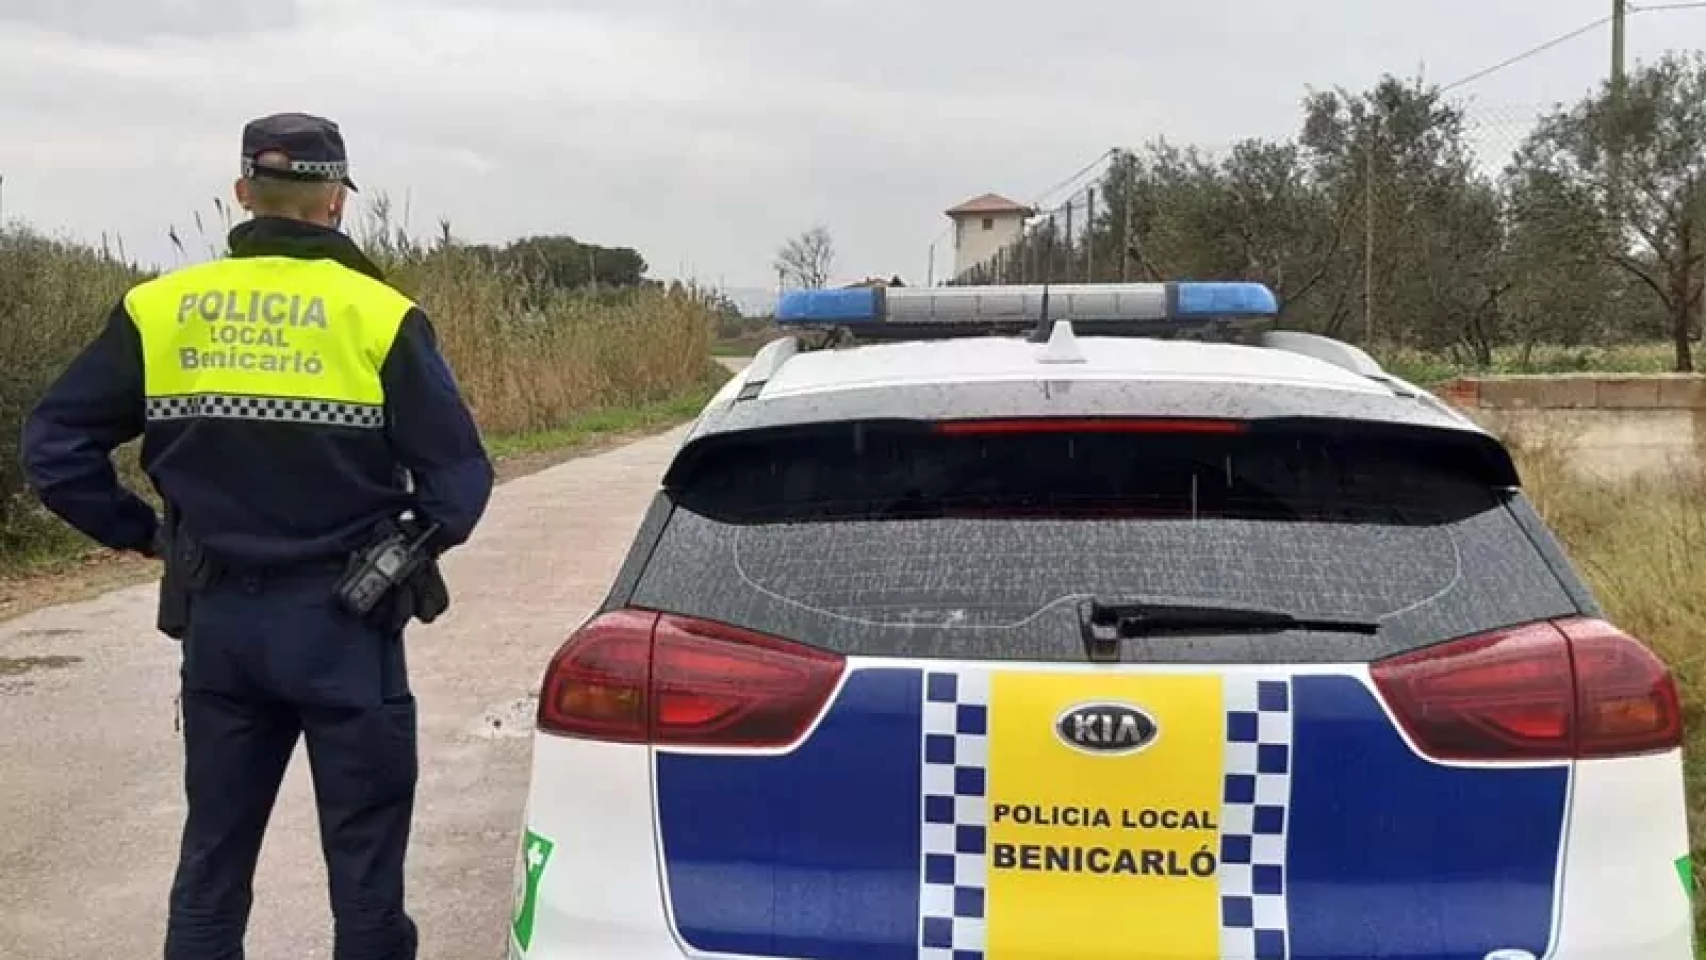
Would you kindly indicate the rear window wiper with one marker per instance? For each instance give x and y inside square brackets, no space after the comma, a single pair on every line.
[1104,625]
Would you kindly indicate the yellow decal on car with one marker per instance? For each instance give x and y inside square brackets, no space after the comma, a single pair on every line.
[1087,816]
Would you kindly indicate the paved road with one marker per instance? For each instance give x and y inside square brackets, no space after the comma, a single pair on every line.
[90,799]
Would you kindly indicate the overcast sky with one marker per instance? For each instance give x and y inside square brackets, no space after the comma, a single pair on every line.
[703,132]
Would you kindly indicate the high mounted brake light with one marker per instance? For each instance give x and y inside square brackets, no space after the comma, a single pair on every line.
[1083,425]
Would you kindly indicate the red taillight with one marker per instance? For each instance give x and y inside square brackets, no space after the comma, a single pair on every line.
[637,677]
[1504,695]
[1626,698]
[1544,691]
[1024,425]
[596,685]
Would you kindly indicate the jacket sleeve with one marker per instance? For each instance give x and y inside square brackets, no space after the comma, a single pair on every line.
[434,434]
[95,406]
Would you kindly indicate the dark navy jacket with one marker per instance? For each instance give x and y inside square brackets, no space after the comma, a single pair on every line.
[260,493]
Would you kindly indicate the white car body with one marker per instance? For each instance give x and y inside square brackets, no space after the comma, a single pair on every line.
[1190,807]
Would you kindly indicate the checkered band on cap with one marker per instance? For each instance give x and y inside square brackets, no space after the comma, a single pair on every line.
[1254,810]
[956,816]
[322,169]
[281,409]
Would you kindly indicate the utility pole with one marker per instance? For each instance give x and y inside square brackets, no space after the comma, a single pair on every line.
[1368,243]
[1129,189]
[1619,21]
[1619,83]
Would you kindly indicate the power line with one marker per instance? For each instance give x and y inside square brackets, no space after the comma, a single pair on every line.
[1562,38]
[1532,52]
[1069,181]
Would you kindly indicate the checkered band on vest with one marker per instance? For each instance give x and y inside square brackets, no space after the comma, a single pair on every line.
[283,409]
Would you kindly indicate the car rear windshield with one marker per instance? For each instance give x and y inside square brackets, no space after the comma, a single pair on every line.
[981,541]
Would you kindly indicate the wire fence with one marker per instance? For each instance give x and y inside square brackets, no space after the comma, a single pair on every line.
[1061,241]
[1406,219]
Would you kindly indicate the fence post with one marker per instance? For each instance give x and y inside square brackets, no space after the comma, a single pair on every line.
[1128,182]
[1067,247]
[1090,235]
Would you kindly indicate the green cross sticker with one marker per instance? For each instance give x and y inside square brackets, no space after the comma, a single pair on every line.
[1685,873]
[535,853]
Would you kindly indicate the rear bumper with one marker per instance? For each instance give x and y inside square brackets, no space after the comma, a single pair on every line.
[630,947]
[1671,948]
[591,887]
[1623,893]
[547,950]
[598,892]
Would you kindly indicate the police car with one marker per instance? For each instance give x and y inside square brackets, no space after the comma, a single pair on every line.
[1097,621]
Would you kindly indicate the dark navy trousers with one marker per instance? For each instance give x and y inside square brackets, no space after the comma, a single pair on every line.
[266,660]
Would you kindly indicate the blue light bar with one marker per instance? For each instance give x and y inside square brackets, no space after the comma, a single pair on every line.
[951,311]
[1224,299]
[854,305]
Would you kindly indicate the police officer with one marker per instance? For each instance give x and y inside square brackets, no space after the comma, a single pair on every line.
[293,410]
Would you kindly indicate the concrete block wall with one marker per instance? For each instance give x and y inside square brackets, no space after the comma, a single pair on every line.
[1669,391]
[1617,426]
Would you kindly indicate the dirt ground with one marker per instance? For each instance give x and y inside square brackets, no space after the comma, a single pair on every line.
[90,766]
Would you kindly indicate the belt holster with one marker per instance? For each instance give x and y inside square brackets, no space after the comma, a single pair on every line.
[432,594]
[186,571]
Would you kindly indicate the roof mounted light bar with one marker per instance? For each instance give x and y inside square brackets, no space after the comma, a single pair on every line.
[924,313]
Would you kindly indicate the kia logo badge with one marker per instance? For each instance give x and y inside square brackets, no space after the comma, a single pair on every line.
[1106,728]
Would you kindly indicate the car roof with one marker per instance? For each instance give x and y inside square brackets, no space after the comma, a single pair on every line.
[1284,376]
[997,359]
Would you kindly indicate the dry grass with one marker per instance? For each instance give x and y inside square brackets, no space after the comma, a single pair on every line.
[531,358]
[1642,547]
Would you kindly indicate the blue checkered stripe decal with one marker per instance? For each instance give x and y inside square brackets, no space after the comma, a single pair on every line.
[1258,763]
[956,816]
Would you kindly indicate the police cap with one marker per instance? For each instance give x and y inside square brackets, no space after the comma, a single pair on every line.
[312,146]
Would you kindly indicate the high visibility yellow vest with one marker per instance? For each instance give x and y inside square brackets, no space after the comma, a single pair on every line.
[267,338]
